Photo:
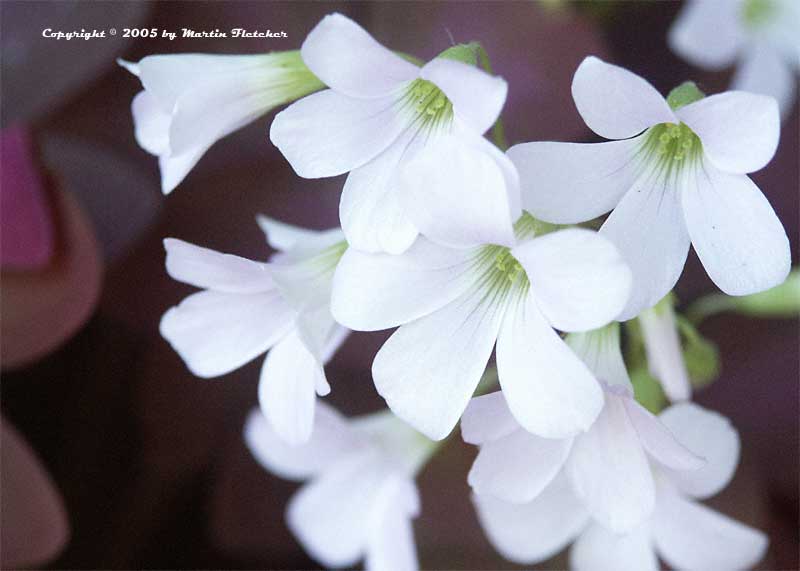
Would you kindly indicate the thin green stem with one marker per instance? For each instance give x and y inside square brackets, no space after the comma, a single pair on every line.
[707,306]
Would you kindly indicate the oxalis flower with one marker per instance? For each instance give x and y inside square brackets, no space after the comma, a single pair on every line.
[386,121]
[681,531]
[761,35]
[679,179]
[607,466]
[190,101]
[453,304]
[361,496]
[248,308]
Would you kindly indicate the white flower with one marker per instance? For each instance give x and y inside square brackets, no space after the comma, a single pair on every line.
[761,35]
[683,532]
[249,307]
[190,101]
[453,304]
[361,496]
[662,344]
[607,466]
[386,121]
[683,179]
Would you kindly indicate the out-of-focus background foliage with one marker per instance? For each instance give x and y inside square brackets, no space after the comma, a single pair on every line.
[148,460]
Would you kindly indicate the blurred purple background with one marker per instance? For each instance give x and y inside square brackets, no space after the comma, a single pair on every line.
[148,459]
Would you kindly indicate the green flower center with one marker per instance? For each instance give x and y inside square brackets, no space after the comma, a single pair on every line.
[672,146]
[528,227]
[757,12]
[500,274]
[676,142]
[507,266]
[430,106]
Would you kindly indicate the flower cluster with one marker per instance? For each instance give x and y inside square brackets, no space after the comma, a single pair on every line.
[761,35]
[470,249]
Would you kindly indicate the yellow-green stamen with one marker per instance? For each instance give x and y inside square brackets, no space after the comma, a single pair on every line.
[671,147]
[676,142]
[430,106]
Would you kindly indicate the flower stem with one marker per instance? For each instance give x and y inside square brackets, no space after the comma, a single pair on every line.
[707,306]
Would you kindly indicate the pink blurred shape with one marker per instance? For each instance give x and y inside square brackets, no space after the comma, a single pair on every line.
[33,522]
[42,309]
[26,223]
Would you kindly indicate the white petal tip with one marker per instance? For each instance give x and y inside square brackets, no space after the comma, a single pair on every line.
[130,66]
[167,188]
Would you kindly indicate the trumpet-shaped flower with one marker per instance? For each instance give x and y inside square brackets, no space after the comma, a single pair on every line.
[676,175]
[761,35]
[607,466]
[453,304]
[190,101]
[684,533]
[663,346]
[361,496]
[387,122]
[248,308]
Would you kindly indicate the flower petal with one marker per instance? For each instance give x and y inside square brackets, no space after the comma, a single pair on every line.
[610,472]
[306,283]
[391,546]
[528,533]
[659,441]
[378,291]
[336,338]
[219,107]
[601,351]
[648,229]
[349,60]
[577,277]
[130,66]
[707,434]
[429,368]
[764,70]
[708,34]
[332,515]
[477,97]
[150,124]
[689,535]
[664,353]
[174,168]
[735,232]
[372,214]
[516,468]
[487,418]
[168,76]
[330,441]
[328,134]
[615,103]
[456,193]
[598,549]
[286,389]
[567,183]
[209,269]
[320,333]
[215,332]
[739,130]
[297,240]
[548,389]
